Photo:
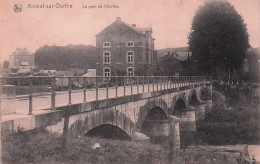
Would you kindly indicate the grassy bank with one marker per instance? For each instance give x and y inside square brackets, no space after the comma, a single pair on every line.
[232,120]
[39,146]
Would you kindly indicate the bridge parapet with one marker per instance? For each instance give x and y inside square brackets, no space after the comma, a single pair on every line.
[8,106]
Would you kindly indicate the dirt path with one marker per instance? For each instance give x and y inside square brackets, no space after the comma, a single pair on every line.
[253,150]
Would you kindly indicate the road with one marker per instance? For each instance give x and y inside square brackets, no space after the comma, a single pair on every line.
[43,100]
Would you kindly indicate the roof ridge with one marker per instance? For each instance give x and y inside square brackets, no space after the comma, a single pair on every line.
[128,25]
[135,28]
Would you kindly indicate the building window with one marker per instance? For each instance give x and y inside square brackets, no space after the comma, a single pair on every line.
[130,71]
[106,57]
[106,72]
[150,59]
[130,44]
[106,45]
[130,57]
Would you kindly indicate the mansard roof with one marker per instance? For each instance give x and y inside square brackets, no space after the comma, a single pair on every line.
[119,27]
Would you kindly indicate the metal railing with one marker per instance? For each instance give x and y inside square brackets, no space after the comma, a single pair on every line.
[32,87]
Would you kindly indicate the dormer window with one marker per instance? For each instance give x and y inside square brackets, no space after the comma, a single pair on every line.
[106,45]
[130,44]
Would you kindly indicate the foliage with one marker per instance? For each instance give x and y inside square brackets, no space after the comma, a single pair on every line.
[62,58]
[218,39]
[230,121]
[40,146]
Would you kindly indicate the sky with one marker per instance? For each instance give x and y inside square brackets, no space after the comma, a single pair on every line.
[170,19]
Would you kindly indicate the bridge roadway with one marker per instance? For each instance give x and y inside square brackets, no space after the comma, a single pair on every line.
[41,102]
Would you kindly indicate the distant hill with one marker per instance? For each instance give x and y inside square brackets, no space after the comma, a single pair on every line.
[64,57]
[257,50]
[162,52]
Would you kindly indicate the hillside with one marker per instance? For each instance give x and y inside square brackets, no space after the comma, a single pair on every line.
[257,50]
[64,57]
[162,52]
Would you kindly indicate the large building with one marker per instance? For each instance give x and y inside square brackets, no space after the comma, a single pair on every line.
[125,50]
[21,59]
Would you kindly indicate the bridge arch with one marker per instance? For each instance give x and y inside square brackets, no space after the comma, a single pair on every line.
[152,104]
[108,131]
[203,95]
[83,123]
[193,100]
[155,124]
[180,105]
[156,113]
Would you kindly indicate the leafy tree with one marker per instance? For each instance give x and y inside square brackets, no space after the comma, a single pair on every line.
[218,39]
[63,58]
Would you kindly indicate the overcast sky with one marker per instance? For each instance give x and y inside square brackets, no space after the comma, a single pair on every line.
[170,19]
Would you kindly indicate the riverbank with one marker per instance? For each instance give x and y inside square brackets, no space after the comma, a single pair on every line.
[231,120]
[40,146]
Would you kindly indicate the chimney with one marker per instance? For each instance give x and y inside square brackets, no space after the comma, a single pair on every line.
[118,18]
[134,25]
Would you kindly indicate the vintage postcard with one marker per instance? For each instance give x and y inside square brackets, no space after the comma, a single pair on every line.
[137,81]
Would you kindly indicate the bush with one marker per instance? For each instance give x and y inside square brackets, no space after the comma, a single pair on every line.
[230,121]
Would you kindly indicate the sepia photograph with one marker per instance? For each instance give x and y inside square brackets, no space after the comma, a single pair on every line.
[130,82]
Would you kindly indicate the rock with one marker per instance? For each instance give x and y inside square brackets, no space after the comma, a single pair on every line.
[96,146]
[136,136]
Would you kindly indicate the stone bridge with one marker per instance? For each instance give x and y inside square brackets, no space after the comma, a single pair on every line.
[170,112]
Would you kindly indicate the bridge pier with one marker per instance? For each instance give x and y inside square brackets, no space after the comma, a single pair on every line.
[157,130]
[163,130]
[187,120]
[208,105]
[187,126]
[174,131]
[200,111]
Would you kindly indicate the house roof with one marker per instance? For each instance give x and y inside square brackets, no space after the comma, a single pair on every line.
[24,63]
[181,56]
[47,71]
[90,73]
[23,70]
[169,56]
[119,27]
[139,29]
[22,51]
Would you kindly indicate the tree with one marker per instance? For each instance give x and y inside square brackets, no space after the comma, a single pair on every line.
[62,58]
[218,39]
